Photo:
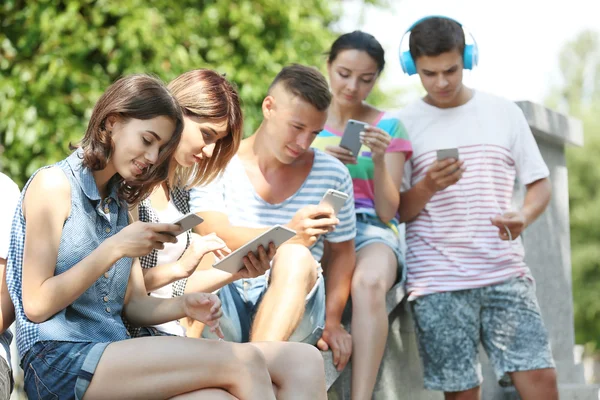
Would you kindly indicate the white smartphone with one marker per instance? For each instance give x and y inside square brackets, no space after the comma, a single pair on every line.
[351,138]
[186,223]
[233,262]
[443,154]
[335,199]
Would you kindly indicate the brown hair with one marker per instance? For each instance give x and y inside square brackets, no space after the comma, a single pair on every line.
[305,82]
[434,36]
[206,94]
[132,97]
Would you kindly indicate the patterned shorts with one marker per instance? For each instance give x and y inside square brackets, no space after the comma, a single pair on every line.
[505,318]
[6,379]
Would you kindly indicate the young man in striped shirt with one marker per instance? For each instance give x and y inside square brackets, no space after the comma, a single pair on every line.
[276,178]
[466,279]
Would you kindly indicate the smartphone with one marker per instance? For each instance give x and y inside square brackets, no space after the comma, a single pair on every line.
[351,138]
[233,262]
[335,199]
[443,154]
[186,223]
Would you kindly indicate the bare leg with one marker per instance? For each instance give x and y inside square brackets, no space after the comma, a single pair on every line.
[537,384]
[296,369]
[375,274]
[205,394]
[471,394]
[293,275]
[165,367]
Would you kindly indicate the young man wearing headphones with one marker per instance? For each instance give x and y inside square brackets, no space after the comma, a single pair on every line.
[466,278]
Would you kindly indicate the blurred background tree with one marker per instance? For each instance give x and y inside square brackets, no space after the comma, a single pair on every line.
[57,57]
[579,96]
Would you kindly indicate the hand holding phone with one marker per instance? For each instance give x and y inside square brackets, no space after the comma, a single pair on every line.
[310,222]
[140,238]
[186,222]
[444,172]
[335,199]
[351,138]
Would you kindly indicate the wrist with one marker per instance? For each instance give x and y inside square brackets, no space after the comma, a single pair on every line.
[526,216]
[333,322]
[378,160]
[111,249]
[181,305]
[180,271]
[426,187]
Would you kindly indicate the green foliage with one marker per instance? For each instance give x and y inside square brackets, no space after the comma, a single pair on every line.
[584,202]
[580,97]
[57,57]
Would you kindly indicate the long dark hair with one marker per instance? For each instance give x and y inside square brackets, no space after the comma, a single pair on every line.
[132,97]
[358,40]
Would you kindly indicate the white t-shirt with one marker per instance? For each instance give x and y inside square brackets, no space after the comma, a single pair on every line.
[232,193]
[451,244]
[169,254]
[8,203]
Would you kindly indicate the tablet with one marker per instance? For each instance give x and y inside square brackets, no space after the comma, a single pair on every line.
[234,261]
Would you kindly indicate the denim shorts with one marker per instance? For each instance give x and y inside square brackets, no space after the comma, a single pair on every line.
[240,301]
[505,318]
[60,370]
[370,229]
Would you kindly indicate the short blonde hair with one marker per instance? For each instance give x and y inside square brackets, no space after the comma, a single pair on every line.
[206,94]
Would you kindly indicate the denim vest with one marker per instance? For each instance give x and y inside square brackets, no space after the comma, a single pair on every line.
[96,315]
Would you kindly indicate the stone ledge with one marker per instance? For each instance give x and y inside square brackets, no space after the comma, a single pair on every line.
[552,125]
[566,391]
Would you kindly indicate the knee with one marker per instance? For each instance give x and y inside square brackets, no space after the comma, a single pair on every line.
[294,263]
[251,359]
[306,366]
[368,285]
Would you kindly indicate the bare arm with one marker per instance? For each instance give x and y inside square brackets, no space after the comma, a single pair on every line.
[7,310]
[143,310]
[199,247]
[536,200]
[309,222]
[340,264]
[43,293]
[162,275]
[387,180]
[339,271]
[414,201]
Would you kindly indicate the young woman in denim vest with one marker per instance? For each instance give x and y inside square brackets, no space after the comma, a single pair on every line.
[73,269]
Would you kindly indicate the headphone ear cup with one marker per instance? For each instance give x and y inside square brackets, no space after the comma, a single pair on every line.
[469,57]
[407,63]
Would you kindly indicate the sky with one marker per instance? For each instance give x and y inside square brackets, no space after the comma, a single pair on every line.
[519,40]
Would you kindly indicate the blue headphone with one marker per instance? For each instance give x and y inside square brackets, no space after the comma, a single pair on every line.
[470,55]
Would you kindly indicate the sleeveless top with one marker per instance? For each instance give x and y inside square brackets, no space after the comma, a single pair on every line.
[96,315]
